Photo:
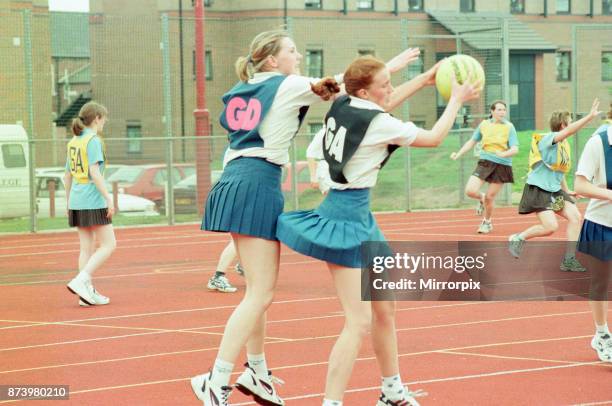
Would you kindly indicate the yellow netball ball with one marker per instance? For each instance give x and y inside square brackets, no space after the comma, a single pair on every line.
[461,66]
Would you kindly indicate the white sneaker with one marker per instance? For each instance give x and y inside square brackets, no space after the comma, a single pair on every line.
[99,299]
[603,346]
[83,289]
[208,393]
[407,399]
[485,227]
[220,283]
[261,388]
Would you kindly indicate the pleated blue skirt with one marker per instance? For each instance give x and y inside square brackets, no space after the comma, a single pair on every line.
[335,230]
[596,240]
[246,200]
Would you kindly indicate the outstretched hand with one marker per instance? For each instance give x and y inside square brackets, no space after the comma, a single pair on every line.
[595,108]
[469,90]
[402,60]
[430,74]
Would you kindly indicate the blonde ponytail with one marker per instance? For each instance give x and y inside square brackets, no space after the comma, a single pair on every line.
[265,44]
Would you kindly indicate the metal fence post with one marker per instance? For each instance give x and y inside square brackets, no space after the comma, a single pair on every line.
[406,116]
[169,196]
[27,48]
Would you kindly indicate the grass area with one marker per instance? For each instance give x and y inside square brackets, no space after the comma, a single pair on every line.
[22,225]
[433,181]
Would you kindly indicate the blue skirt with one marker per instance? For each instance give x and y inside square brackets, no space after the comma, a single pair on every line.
[596,240]
[335,230]
[246,200]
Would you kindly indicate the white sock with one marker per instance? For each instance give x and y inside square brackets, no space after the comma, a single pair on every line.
[221,372]
[327,402]
[392,387]
[84,276]
[488,221]
[602,330]
[258,363]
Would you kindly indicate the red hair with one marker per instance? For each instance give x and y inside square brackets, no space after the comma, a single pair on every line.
[361,72]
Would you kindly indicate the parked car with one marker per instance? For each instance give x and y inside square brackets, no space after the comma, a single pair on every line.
[185,197]
[128,205]
[14,172]
[148,181]
[108,170]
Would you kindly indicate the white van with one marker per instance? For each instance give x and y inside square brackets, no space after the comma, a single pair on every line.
[14,176]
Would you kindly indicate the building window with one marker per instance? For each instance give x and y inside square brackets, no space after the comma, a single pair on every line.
[564,6]
[314,128]
[364,52]
[314,63]
[606,66]
[313,4]
[209,65]
[415,5]
[564,63]
[417,67]
[517,6]
[134,135]
[606,7]
[467,6]
[365,4]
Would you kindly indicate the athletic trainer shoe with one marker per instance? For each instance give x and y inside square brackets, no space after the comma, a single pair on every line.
[407,399]
[83,289]
[209,393]
[239,269]
[221,283]
[259,387]
[603,347]
[99,299]
[485,227]
[571,265]
[515,245]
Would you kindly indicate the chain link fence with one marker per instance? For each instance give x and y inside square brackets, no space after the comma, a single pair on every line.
[143,68]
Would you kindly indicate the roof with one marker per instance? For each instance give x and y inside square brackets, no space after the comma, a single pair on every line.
[483,31]
[69,34]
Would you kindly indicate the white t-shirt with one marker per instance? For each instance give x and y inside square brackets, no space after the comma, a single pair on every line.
[592,166]
[315,151]
[281,123]
[362,169]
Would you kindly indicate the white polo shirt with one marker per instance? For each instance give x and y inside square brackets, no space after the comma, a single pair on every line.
[362,169]
[281,123]
[592,166]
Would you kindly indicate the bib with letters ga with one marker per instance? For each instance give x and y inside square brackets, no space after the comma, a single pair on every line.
[562,161]
[345,128]
[77,156]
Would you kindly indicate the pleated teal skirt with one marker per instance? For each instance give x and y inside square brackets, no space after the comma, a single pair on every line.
[246,200]
[335,231]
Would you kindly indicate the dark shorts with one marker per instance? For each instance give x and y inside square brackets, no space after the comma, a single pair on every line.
[492,172]
[88,218]
[535,200]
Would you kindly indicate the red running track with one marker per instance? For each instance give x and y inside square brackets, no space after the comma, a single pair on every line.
[163,326]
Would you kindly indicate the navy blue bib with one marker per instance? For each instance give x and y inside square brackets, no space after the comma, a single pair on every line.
[246,106]
[345,128]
